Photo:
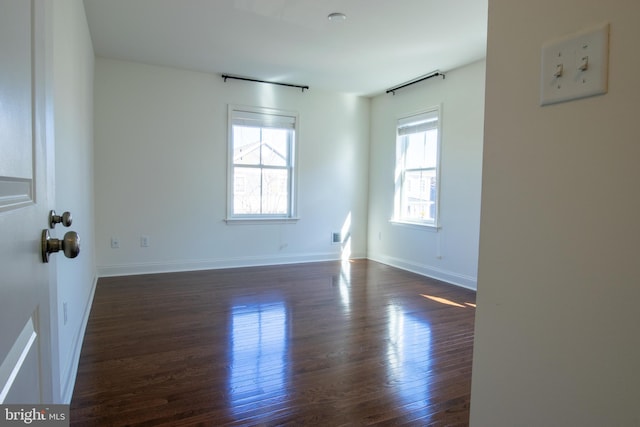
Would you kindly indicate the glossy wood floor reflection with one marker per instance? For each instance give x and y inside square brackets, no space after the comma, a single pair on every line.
[321,344]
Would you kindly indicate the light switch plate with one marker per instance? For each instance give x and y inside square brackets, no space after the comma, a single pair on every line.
[575,66]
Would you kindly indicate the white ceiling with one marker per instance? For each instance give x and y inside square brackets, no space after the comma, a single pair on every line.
[381,44]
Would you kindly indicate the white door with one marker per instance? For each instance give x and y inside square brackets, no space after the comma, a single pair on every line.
[25,355]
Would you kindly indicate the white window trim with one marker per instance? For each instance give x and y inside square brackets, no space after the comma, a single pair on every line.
[416,225]
[397,219]
[254,221]
[292,216]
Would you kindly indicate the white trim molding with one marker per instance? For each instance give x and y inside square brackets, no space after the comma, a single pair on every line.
[68,379]
[214,264]
[451,277]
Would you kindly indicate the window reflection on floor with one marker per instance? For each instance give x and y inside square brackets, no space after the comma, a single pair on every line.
[409,357]
[258,353]
[344,284]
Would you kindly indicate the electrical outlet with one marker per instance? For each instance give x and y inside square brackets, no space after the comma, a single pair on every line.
[115,243]
[144,241]
[336,237]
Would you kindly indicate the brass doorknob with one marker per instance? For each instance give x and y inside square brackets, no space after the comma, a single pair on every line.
[70,245]
[54,219]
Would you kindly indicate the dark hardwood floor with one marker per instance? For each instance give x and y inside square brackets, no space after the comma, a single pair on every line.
[320,344]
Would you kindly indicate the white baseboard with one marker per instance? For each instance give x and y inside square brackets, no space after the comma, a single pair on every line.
[213,264]
[69,379]
[457,279]
[462,280]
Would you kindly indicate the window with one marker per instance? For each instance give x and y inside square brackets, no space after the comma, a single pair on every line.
[261,157]
[417,168]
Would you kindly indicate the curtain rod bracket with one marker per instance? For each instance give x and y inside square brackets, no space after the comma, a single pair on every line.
[416,80]
[246,79]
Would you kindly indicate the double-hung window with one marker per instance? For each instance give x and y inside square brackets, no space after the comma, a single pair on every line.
[417,168]
[261,163]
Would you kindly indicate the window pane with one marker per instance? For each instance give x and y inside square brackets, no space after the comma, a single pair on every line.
[431,149]
[261,166]
[419,196]
[421,149]
[239,184]
[274,191]
[248,201]
[275,147]
[414,150]
[246,145]
[417,164]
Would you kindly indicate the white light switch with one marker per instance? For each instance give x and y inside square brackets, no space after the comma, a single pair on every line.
[575,66]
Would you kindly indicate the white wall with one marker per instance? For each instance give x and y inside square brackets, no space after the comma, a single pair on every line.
[450,253]
[161,153]
[73,66]
[557,339]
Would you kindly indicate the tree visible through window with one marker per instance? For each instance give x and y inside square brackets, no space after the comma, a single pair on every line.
[417,164]
[261,163]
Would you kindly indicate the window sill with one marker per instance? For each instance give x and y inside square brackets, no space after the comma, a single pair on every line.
[254,221]
[416,225]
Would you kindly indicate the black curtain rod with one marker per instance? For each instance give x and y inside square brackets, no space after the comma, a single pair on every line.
[226,76]
[419,79]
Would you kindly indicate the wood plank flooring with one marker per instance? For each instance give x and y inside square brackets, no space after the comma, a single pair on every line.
[319,344]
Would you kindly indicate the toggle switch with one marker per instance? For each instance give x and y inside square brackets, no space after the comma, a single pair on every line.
[583,63]
[575,66]
[558,73]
